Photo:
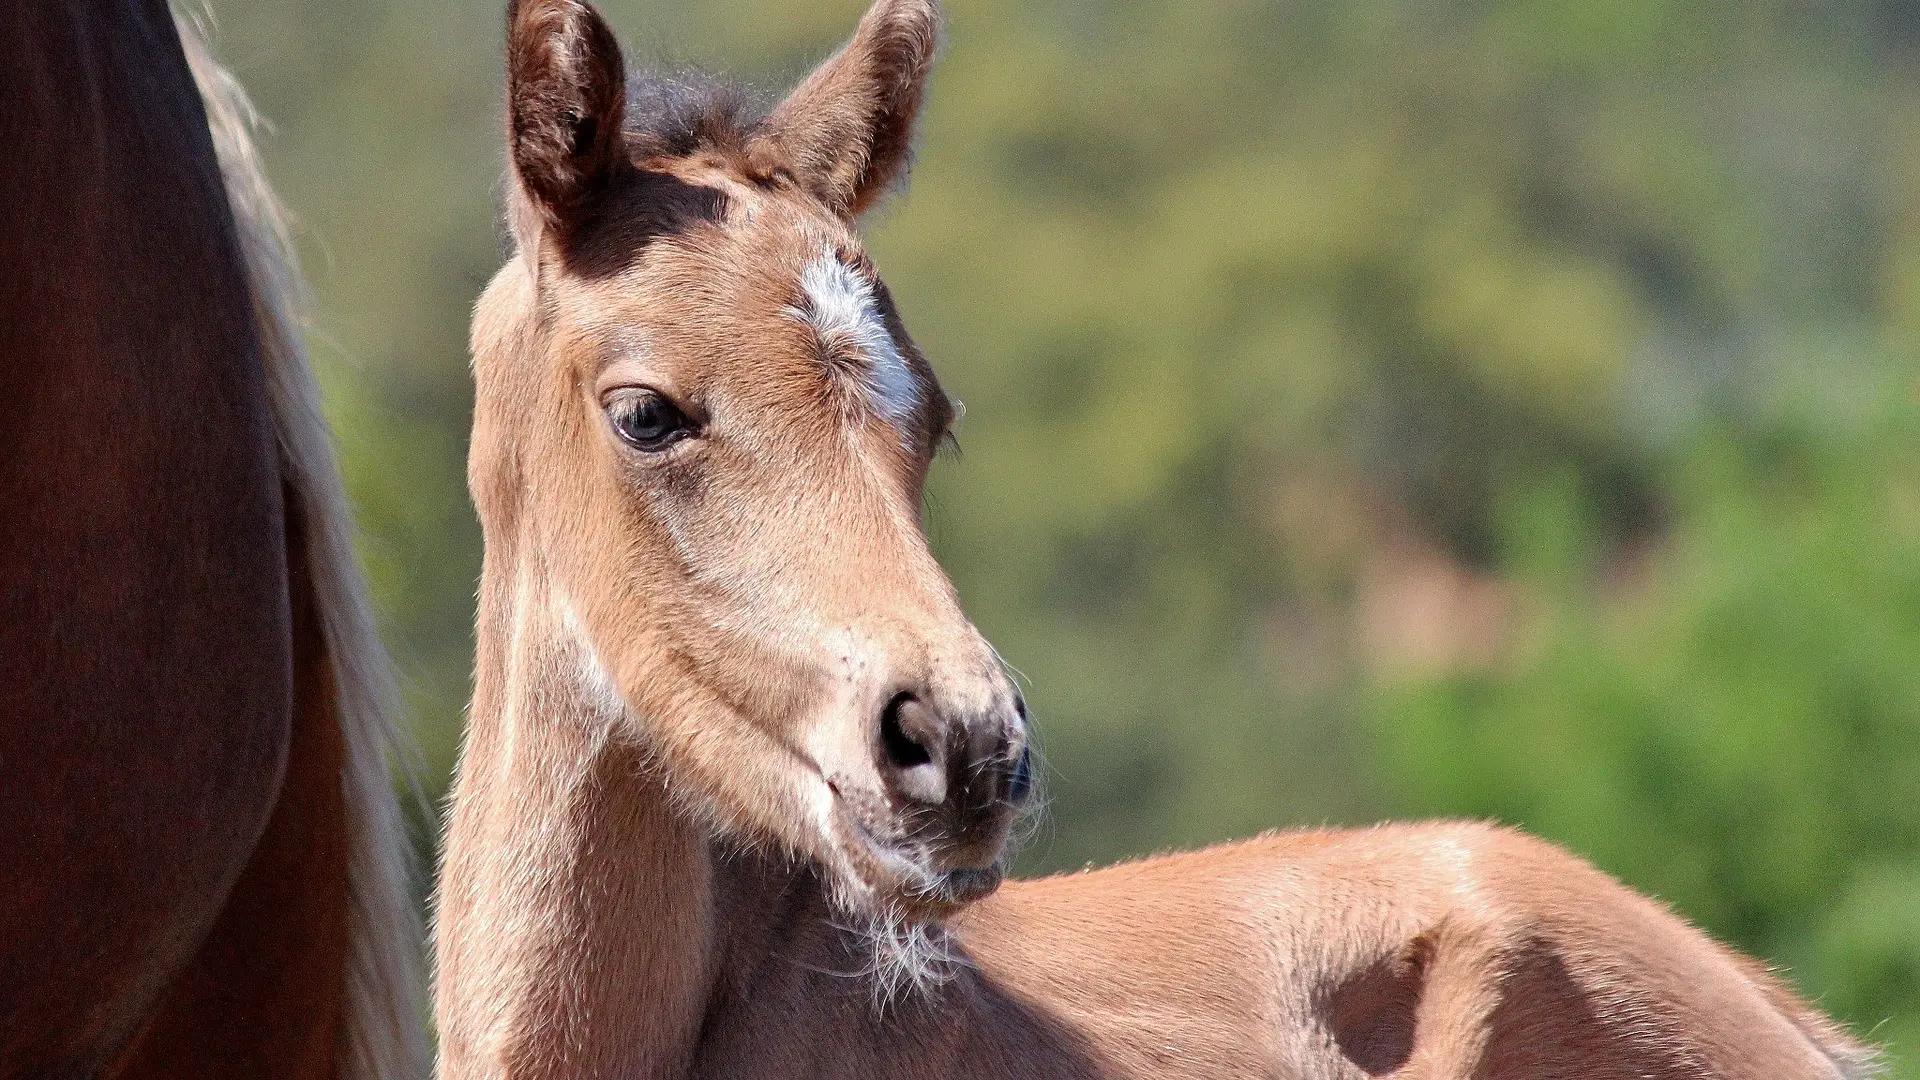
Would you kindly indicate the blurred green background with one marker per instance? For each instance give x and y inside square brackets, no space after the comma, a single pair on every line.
[1503,408]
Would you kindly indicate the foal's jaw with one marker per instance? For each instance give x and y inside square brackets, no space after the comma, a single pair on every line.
[722,435]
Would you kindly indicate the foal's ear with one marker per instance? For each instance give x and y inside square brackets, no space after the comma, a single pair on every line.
[847,131]
[566,91]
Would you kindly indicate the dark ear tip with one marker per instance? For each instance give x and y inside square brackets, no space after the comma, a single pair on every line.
[914,24]
[902,37]
[924,12]
[556,11]
[543,29]
[566,93]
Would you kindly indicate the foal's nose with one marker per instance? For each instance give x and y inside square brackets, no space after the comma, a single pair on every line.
[965,763]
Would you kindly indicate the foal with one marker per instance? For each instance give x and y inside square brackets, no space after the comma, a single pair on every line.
[737,762]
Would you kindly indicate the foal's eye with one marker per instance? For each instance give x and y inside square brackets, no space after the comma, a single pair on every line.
[646,420]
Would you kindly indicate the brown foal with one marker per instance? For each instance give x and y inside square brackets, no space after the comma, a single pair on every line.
[740,772]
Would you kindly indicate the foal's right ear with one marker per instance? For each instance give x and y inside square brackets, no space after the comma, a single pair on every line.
[566,92]
[847,131]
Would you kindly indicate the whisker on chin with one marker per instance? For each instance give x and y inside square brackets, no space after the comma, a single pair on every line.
[906,959]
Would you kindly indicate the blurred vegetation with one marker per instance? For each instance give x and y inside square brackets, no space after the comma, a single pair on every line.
[1488,407]
[1736,724]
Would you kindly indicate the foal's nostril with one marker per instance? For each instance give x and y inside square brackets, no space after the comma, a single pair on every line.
[910,736]
[903,750]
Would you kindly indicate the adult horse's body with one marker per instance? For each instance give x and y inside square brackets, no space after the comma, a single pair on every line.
[738,765]
[200,869]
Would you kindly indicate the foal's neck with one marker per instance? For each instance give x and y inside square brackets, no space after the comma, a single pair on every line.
[577,930]
[588,927]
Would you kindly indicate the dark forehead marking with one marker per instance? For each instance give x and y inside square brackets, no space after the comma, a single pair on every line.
[669,115]
[640,207]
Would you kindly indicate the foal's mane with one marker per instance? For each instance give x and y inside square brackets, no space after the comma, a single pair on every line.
[381,1038]
[679,112]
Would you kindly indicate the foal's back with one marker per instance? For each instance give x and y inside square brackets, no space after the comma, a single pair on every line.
[1435,950]
[1441,951]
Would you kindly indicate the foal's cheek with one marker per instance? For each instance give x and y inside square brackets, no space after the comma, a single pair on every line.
[664,505]
[683,485]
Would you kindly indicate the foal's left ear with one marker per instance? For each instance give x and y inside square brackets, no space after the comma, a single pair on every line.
[847,131]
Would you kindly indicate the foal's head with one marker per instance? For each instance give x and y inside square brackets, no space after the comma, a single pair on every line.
[700,438]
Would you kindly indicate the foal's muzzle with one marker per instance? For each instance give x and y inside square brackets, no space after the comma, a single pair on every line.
[957,777]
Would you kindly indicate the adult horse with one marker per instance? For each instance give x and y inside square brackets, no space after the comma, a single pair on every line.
[739,772]
[200,862]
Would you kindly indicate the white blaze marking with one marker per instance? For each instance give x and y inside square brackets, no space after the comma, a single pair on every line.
[841,309]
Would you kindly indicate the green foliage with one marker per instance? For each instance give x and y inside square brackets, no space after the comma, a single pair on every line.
[1255,304]
[1736,728]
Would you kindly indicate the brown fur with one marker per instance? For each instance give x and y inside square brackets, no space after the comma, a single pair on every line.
[675,837]
[263,995]
[203,872]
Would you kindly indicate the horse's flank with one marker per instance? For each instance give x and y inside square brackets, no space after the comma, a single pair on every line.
[204,852]
[350,939]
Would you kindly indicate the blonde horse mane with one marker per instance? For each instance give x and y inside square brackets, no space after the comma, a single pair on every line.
[382,1037]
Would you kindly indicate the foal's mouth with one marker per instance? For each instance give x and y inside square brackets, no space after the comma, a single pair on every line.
[902,869]
[957,888]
